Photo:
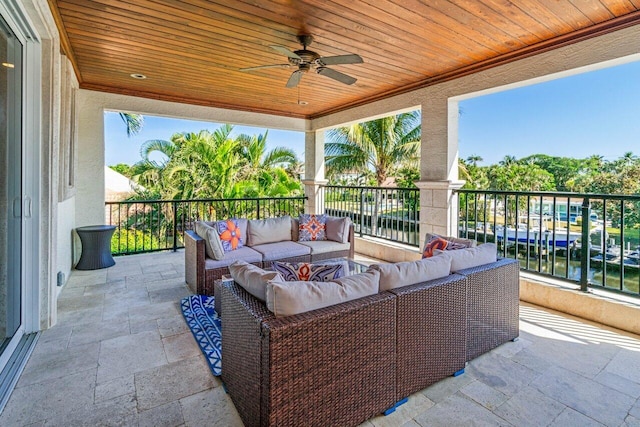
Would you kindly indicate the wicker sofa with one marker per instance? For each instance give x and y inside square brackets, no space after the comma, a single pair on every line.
[347,363]
[201,271]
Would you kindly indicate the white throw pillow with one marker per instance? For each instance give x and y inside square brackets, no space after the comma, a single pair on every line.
[270,230]
[212,243]
[288,298]
[411,272]
[471,257]
[252,278]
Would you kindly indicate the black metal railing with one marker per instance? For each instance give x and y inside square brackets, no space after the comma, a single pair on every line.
[384,212]
[158,225]
[591,239]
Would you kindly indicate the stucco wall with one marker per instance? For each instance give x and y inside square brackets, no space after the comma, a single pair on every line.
[64,238]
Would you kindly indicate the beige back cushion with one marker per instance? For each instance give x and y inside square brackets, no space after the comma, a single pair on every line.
[252,278]
[270,230]
[288,298]
[212,243]
[295,229]
[470,257]
[412,272]
[337,229]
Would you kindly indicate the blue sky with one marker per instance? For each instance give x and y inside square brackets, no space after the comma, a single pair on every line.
[121,149]
[591,113]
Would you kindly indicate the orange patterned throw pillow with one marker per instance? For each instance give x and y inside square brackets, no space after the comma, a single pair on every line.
[312,227]
[230,235]
[433,242]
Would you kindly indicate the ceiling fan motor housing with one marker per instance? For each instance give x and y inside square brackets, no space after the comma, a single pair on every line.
[305,60]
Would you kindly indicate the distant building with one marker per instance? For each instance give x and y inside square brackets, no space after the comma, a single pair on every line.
[118,187]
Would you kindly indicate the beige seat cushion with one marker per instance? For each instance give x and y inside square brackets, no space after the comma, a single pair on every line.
[325,246]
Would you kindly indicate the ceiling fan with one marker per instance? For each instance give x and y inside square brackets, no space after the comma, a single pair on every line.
[306,60]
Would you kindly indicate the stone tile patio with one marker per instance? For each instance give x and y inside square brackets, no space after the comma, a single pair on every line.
[122,355]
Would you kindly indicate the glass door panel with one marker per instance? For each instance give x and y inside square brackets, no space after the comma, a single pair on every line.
[10,184]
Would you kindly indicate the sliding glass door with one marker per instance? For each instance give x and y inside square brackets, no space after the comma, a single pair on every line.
[11,179]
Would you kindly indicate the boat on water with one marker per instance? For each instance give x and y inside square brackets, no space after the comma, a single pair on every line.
[613,258]
[557,238]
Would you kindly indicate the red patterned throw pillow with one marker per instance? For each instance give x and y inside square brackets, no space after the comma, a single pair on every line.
[312,227]
[230,236]
[434,242]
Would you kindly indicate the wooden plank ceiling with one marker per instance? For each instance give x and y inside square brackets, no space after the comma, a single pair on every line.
[191,50]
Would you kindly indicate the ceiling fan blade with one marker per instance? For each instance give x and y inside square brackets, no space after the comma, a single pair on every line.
[341,59]
[336,75]
[283,50]
[259,67]
[294,79]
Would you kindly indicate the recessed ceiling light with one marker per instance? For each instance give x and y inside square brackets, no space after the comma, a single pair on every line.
[138,76]
[8,65]
[303,103]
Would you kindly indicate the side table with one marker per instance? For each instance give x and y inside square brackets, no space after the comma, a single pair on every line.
[96,247]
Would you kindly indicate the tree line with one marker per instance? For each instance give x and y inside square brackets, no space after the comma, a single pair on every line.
[210,164]
[541,172]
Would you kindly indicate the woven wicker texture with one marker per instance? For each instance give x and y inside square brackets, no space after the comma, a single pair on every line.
[431,332]
[329,367]
[241,351]
[194,254]
[493,310]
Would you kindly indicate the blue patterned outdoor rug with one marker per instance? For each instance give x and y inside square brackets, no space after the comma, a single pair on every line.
[205,326]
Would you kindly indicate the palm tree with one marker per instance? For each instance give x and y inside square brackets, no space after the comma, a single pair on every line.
[382,145]
[473,160]
[253,148]
[134,122]
[508,160]
[463,169]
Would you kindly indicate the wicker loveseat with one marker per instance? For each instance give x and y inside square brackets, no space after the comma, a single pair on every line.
[201,270]
[347,363]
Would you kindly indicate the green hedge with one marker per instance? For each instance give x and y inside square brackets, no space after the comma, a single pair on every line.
[124,241]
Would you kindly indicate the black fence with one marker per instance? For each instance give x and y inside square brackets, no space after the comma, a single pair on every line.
[591,239]
[158,225]
[383,212]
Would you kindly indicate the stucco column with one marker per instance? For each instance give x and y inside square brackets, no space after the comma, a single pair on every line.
[439,168]
[314,172]
[91,161]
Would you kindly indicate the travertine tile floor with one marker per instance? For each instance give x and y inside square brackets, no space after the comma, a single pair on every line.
[121,354]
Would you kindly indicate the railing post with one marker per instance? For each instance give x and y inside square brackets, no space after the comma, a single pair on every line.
[175,225]
[361,211]
[258,209]
[584,247]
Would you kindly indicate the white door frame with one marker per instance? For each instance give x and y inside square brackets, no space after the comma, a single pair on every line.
[15,17]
